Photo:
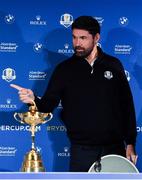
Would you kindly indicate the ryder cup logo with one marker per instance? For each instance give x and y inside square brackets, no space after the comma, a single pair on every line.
[66,20]
[108,74]
[9,19]
[8,74]
[38,47]
[123,21]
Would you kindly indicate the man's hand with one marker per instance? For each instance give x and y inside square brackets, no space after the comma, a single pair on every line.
[25,95]
[130,153]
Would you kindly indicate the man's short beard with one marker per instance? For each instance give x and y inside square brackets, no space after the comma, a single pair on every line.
[83,54]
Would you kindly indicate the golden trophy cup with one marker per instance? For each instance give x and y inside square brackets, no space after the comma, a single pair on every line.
[32,160]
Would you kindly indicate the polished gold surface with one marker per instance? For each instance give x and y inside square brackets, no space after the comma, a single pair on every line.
[32,160]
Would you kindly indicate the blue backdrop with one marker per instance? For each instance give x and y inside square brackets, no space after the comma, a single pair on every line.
[35,36]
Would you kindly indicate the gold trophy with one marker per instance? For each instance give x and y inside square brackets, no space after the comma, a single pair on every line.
[32,160]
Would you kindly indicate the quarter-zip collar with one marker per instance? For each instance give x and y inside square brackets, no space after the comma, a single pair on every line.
[98,60]
[99,57]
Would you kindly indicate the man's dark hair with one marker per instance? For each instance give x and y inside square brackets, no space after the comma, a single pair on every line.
[87,23]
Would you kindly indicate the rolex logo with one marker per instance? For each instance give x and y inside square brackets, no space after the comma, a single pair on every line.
[38,17]
[66,46]
[8,101]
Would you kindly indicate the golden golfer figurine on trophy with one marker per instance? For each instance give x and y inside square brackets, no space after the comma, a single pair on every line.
[32,161]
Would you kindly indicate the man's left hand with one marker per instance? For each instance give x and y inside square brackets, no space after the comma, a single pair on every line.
[130,153]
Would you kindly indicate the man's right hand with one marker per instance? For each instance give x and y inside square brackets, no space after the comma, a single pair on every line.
[25,95]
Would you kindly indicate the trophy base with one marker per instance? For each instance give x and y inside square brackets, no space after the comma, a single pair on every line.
[32,162]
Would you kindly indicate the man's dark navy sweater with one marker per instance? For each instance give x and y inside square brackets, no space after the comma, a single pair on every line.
[97,102]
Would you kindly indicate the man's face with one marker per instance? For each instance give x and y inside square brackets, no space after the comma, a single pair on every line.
[83,42]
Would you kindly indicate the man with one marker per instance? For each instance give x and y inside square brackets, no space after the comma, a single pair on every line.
[98,108]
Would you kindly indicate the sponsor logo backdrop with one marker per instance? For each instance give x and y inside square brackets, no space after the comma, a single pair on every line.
[34,37]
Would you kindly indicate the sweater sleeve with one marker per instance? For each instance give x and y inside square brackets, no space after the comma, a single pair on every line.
[52,95]
[128,109]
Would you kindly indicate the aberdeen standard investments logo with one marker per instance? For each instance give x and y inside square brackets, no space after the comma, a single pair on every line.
[8,74]
[66,20]
[37,75]
[8,47]
[7,151]
[122,49]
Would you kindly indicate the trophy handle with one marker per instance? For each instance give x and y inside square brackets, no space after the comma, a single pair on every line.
[46,116]
[35,107]
[17,115]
